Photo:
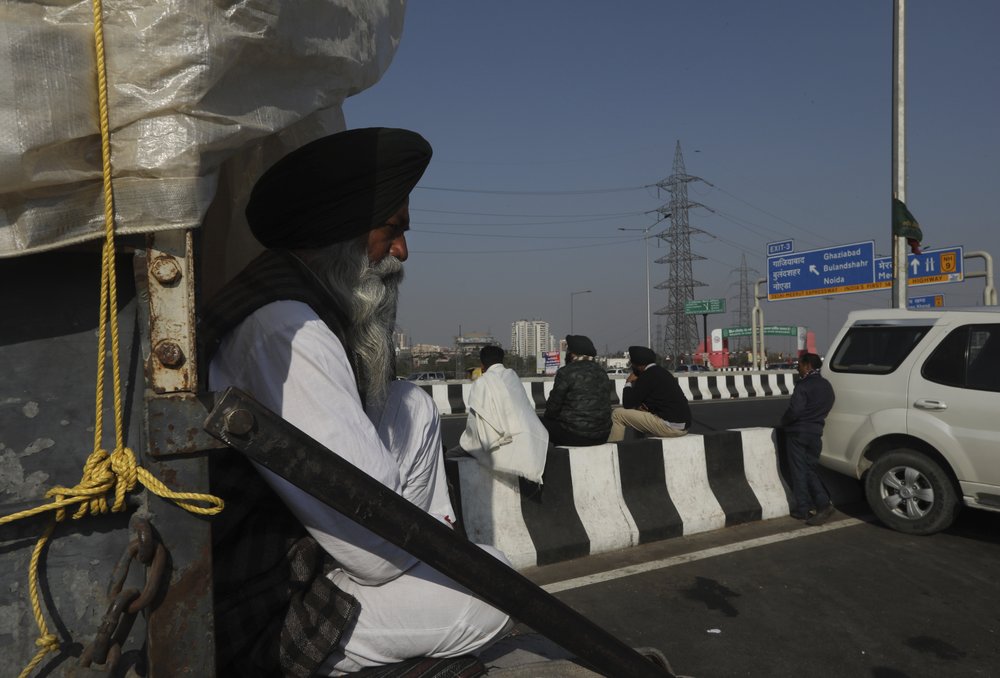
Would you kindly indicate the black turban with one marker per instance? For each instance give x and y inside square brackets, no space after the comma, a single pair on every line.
[336,188]
[580,345]
[640,355]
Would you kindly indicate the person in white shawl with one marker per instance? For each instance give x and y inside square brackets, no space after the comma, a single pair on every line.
[503,431]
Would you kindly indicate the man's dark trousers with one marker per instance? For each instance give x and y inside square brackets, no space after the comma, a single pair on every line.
[803,457]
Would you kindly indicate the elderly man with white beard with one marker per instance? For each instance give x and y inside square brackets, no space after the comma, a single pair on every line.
[306,329]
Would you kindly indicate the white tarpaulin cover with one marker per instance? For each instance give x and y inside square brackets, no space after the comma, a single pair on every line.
[193,88]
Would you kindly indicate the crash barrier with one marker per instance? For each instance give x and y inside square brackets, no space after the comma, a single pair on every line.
[618,495]
[451,398]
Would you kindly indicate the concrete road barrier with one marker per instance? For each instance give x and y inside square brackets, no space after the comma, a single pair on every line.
[614,496]
[451,398]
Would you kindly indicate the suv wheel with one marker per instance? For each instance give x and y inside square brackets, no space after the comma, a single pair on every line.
[911,493]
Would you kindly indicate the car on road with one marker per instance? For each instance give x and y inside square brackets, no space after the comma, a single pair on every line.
[690,368]
[427,376]
[917,412]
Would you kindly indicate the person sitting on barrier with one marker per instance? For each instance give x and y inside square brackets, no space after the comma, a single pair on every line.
[578,410]
[306,329]
[803,421]
[502,430]
[652,400]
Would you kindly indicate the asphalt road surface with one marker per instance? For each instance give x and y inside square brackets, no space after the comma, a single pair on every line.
[777,598]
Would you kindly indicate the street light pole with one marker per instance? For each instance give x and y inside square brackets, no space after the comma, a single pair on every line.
[645,240]
[571,295]
[649,312]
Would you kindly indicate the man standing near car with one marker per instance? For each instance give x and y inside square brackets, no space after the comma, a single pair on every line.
[652,401]
[803,422]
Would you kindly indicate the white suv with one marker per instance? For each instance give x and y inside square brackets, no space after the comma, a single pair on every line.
[917,414]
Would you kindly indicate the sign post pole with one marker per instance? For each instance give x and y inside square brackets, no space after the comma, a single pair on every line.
[899,259]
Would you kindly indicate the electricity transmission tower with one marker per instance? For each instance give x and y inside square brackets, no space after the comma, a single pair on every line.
[744,304]
[680,335]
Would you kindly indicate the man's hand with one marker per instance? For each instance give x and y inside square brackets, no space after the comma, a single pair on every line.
[631,377]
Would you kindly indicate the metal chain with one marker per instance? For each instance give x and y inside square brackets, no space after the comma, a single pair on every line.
[124,604]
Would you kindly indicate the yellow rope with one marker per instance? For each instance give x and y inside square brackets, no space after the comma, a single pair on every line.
[103,471]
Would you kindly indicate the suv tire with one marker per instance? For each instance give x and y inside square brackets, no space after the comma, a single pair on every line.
[911,493]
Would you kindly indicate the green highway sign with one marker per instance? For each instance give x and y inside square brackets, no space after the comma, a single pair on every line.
[772,330]
[705,306]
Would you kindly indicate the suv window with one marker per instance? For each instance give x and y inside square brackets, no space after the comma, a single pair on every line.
[877,349]
[969,357]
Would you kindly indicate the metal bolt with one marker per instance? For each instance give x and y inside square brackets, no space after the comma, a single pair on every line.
[169,353]
[165,269]
[239,422]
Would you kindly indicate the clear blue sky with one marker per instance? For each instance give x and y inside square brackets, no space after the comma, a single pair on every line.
[548,118]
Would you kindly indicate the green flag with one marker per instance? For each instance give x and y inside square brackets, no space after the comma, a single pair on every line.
[904,225]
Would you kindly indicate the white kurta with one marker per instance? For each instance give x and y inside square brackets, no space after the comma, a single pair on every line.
[291,362]
[503,432]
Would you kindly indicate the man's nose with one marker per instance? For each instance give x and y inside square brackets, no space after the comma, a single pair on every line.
[398,248]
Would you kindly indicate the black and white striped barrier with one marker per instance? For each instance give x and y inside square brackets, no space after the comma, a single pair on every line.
[614,496]
[451,398]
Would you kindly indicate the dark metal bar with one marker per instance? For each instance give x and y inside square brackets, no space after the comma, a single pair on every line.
[245,425]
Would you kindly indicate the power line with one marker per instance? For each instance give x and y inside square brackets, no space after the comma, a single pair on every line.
[529,216]
[560,236]
[763,211]
[546,251]
[577,192]
[522,223]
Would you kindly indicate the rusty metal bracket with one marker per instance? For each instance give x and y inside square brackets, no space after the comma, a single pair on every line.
[169,292]
[272,442]
[174,424]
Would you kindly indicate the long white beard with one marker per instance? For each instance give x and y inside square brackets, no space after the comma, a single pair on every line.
[369,293]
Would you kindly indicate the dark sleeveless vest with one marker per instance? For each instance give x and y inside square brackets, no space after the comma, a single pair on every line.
[276,613]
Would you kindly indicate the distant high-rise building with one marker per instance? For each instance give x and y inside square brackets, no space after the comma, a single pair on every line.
[400,339]
[528,338]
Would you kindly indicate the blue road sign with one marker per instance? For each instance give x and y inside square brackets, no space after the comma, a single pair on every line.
[930,267]
[832,270]
[779,247]
[928,301]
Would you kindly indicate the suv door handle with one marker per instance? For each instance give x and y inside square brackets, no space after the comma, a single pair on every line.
[925,404]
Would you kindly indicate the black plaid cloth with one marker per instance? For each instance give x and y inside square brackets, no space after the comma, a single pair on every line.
[465,666]
[276,613]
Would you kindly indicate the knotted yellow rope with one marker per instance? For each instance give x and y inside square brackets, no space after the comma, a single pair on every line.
[103,471]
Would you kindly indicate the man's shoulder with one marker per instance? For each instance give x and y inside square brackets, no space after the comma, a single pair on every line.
[816,382]
[656,374]
[283,317]
[285,312]
[285,322]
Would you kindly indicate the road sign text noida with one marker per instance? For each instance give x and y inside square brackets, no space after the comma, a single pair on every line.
[827,268]
[854,268]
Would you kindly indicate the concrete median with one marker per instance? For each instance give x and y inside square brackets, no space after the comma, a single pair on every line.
[451,398]
[615,496]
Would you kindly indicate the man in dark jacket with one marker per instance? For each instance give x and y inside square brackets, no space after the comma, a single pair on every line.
[578,410]
[803,422]
[652,401]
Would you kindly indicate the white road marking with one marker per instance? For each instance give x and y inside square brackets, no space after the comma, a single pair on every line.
[682,559]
